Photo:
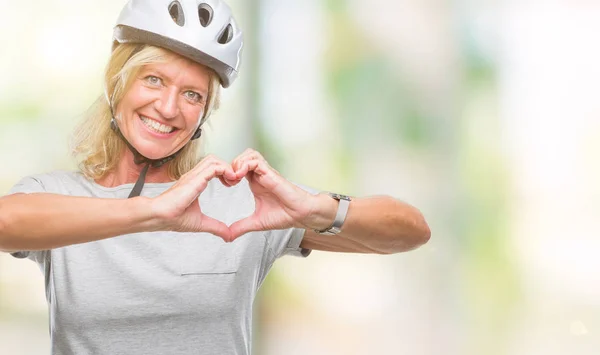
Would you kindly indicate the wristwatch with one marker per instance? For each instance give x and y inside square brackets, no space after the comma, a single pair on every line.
[340,216]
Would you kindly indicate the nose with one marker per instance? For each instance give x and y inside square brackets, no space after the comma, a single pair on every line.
[167,104]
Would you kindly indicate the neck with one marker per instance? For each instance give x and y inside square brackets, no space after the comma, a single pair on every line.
[127,172]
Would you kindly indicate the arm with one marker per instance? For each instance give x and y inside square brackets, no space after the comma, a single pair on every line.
[41,221]
[379,224]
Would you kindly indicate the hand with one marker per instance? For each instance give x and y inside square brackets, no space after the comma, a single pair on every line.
[178,208]
[279,204]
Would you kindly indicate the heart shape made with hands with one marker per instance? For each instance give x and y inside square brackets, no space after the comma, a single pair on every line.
[279,204]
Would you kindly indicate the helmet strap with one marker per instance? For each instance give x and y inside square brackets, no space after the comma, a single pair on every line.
[197,134]
[139,184]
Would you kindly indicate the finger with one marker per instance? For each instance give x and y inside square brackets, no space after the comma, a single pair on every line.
[228,182]
[229,178]
[246,155]
[198,182]
[257,166]
[193,173]
[234,182]
[218,169]
[243,171]
[289,193]
[205,163]
[235,164]
[192,184]
[216,227]
[264,165]
[243,226]
[225,182]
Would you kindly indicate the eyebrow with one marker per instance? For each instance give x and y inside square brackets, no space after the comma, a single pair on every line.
[200,89]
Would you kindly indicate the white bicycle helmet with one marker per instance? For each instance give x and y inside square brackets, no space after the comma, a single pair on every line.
[201,30]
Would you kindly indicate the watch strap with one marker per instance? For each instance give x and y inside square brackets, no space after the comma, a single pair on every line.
[340,216]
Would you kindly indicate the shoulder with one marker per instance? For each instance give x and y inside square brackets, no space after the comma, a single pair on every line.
[54,182]
[62,177]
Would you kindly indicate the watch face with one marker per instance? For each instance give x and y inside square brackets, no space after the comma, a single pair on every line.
[332,231]
[340,197]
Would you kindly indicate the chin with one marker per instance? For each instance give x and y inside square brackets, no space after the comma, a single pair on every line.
[156,156]
[151,151]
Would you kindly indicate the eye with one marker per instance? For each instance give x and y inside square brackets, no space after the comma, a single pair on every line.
[153,80]
[193,96]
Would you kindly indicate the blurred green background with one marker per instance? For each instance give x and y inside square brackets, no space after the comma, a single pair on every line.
[483,114]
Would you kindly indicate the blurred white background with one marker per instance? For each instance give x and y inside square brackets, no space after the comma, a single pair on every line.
[482,114]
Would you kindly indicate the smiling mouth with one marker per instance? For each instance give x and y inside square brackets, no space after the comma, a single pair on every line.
[156,126]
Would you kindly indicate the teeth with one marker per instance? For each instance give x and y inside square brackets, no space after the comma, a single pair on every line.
[160,128]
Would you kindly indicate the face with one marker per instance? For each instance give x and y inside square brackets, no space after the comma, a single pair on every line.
[162,108]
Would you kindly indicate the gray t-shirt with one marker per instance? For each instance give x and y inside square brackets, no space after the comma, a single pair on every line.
[157,292]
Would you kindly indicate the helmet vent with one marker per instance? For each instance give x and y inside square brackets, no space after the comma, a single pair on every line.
[176,13]
[205,13]
[226,35]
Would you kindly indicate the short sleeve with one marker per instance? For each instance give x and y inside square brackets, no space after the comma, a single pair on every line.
[287,241]
[29,185]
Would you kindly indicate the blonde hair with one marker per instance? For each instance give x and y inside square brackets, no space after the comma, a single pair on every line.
[95,146]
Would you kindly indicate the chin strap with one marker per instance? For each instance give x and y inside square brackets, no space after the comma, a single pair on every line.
[139,184]
[140,159]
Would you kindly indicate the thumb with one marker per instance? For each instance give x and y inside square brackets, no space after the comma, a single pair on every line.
[243,226]
[216,227]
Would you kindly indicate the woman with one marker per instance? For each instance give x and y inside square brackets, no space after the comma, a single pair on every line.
[172,263]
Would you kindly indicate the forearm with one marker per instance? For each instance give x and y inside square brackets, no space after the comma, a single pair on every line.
[378,224]
[42,221]
[385,224]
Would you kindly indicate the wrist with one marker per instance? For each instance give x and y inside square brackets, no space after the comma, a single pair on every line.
[324,214]
[146,215]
